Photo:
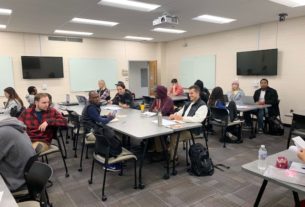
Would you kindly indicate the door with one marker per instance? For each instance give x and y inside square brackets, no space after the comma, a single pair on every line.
[153,79]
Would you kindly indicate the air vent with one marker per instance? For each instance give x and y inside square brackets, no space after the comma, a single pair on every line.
[61,38]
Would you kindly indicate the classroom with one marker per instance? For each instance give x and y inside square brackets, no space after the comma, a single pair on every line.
[147,50]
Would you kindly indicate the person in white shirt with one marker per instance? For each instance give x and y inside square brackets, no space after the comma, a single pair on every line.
[194,111]
[31,96]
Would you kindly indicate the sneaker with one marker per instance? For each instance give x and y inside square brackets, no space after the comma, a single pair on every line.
[231,136]
[260,131]
[114,167]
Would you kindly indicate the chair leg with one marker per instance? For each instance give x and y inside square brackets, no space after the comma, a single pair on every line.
[289,139]
[47,161]
[135,174]
[81,156]
[87,156]
[223,132]
[92,169]
[188,143]
[63,143]
[75,145]
[63,158]
[104,197]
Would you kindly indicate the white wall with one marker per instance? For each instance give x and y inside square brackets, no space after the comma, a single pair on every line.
[135,78]
[17,44]
[289,82]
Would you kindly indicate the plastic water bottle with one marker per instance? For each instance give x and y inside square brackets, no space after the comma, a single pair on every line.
[262,158]
[67,98]
[159,118]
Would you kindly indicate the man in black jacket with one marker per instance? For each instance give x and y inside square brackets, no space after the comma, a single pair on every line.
[264,95]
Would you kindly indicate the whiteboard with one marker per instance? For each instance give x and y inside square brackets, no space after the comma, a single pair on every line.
[6,71]
[199,67]
[85,73]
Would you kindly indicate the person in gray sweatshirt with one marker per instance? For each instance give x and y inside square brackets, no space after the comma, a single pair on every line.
[16,150]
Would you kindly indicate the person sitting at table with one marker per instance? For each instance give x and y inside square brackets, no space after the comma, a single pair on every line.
[30,97]
[103,91]
[16,150]
[264,95]
[13,100]
[176,89]
[204,92]
[162,102]
[193,111]
[217,100]
[91,113]
[236,94]
[40,121]
[123,98]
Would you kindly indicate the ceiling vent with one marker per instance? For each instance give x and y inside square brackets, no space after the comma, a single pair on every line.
[67,39]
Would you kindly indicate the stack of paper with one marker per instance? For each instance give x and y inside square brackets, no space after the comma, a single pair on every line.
[149,114]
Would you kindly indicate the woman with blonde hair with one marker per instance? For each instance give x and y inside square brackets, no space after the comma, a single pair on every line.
[236,94]
[103,91]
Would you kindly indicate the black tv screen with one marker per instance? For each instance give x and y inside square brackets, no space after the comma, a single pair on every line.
[36,67]
[259,62]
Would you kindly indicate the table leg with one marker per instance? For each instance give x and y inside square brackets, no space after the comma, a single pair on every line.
[141,185]
[166,157]
[174,172]
[260,193]
[296,199]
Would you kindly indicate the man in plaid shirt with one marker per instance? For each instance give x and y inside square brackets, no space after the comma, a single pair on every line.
[40,121]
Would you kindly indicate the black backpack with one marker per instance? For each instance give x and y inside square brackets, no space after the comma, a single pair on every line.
[201,163]
[276,127]
[107,140]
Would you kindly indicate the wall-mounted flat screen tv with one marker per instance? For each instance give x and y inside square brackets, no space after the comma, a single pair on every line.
[259,62]
[38,67]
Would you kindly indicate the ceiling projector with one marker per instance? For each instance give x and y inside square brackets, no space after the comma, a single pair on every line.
[166,20]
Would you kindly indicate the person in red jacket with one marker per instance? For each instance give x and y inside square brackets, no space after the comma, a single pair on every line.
[176,89]
[162,102]
[40,120]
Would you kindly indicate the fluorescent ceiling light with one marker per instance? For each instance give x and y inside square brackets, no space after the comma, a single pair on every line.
[2,26]
[138,38]
[72,32]
[94,22]
[213,19]
[5,11]
[175,31]
[127,4]
[290,3]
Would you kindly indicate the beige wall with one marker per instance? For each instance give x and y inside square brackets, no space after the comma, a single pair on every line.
[289,82]
[17,44]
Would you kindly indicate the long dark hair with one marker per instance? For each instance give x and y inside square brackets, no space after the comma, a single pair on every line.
[216,95]
[12,95]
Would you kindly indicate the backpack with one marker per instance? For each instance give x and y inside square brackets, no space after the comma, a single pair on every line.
[106,139]
[15,113]
[276,127]
[201,163]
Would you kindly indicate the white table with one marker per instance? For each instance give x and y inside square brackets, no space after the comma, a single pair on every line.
[245,108]
[174,98]
[7,200]
[271,160]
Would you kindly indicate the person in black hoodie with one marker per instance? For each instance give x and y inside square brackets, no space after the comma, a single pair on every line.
[204,92]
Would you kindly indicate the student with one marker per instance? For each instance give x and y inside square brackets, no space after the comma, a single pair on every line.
[30,97]
[39,120]
[204,92]
[123,98]
[236,94]
[217,100]
[91,113]
[176,89]
[264,95]
[193,111]
[103,91]
[16,150]
[162,102]
[13,100]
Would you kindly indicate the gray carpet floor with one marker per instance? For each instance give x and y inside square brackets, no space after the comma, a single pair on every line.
[231,188]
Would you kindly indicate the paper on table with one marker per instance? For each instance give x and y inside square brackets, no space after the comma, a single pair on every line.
[285,175]
[299,142]
[298,167]
[114,120]
[165,122]
[1,194]
[149,114]
[111,107]
[242,106]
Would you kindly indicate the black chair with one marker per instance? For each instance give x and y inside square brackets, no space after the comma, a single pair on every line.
[55,149]
[297,127]
[36,180]
[88,141]
[105,160]
[220,117]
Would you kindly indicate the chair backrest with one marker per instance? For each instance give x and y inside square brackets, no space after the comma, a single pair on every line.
[298,121]
[36,179]
[219,114]
[74,118]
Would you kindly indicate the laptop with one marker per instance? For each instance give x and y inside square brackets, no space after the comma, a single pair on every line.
[82,100]
[248,100]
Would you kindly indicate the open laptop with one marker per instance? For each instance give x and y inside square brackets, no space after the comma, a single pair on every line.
[248,100]
[82,100]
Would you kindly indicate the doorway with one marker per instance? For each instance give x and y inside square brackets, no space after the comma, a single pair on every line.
[142,77]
